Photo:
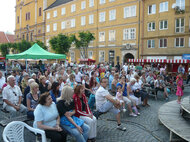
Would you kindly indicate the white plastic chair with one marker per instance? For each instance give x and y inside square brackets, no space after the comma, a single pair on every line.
[14,132]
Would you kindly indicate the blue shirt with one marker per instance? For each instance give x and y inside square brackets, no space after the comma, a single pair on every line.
[111,77]
[53,96]
[125,89]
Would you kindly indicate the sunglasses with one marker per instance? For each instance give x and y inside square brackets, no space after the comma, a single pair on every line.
[14,93]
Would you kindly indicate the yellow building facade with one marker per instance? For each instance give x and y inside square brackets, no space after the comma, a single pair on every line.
[166,32]
[114,23]
[30,19]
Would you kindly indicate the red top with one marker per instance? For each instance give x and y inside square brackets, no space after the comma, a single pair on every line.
[78,106]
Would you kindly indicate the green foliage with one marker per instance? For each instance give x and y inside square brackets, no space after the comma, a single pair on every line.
[23,46]
[61,43]
[83,41]
[5,49]
[41,44]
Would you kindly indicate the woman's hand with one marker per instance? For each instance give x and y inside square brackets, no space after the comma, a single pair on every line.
[90,115]
[79,129]
[58,128]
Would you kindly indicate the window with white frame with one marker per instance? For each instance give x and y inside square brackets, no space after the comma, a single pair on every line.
[150,43]
[63,11]
[48,15]
[82,54]
[102,1]
[90,54]
[112,35]
[102,16]
[180,25]
[151,26]
[72,23]
[91,19]
[55,27]
[152,9]
[130,11]
[164,6]
[55,13]
[73,7]
[63,25]
[163,43]
[179,42]
[181,4]
[83,20]
[112,14]
[129,34]
[72,55]
[101,56]
[91,3]
[47,42]
[163,25]
[83,4]
[48,28]
[101,36]
[111,0]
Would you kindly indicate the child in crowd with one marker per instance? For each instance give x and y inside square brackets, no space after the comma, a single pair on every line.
[119,97]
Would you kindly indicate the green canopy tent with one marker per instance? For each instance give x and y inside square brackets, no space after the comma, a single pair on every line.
[36,52]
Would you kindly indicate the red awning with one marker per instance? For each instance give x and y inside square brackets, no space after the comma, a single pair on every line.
[158,61]
[87,60]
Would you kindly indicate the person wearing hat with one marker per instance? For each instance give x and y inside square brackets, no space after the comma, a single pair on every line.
[24,82]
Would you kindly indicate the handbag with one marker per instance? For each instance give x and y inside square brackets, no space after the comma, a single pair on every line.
[65,121]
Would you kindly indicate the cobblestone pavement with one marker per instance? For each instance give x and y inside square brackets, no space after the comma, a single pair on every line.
[144,128]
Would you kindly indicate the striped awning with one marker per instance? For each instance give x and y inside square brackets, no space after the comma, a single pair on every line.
[183,61]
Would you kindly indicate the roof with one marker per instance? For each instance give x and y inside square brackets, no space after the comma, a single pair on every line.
[6,38]
[57,3]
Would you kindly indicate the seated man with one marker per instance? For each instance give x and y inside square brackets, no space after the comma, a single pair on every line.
[12,97]
[105,102]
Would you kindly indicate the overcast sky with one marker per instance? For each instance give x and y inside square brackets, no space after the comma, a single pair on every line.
[7,15]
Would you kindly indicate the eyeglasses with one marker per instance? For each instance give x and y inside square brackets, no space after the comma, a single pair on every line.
[14,93]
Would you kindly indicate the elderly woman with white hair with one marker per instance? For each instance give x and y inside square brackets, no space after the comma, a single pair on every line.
[131,94]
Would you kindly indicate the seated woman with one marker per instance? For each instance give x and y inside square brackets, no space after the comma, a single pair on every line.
[114,83]
[83,111]
[71,81]
[43,86]
[54,92]
[72,124]
[46,117]
[32,99]
[139,92]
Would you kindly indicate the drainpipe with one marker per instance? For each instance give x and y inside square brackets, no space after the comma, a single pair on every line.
[139,28]
[142,41]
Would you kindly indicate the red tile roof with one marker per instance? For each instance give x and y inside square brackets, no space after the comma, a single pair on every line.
[6,38]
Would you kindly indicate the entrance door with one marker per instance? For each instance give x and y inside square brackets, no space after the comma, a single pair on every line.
[126,57]
[111,57]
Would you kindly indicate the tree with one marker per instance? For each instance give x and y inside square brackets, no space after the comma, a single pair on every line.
[5,49]
[23,46]
[61,44]
[85,37]
[40,43]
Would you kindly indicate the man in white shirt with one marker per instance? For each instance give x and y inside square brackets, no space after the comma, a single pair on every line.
[12,97]
[188,77]
[78,76]
[2,81]
[106,102]
[125,67]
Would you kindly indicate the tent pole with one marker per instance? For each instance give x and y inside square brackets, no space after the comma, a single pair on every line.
[26,64]
[5,67]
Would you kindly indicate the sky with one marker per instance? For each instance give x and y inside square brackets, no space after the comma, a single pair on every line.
[7,15]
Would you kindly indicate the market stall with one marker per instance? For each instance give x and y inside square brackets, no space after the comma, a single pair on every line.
[88,61]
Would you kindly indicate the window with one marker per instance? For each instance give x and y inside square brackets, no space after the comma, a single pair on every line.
[129,34]
[47,42]
[48,28]
[163,43]
[72,54]
[151,26]
[150,43]
[91,3]
[111,57]
[179,42]
[101,36]
[72,23]
[27,16]
[163,6]
[83,4]
[73,7]
[55,27]
[63,11]
[23,36]
[90,54]
[55,13]
[63,26]
[102,16]
[112,14]
[83,20]
[17,19]
[27,37]
[180,25]
[101,56]
[91,19]
[31,36]
[130,11]
[181,4]
[102,1]
[111,0]
[152,9]
[163,25]
[48,15]
[40,11]
[82,54]
[111,35]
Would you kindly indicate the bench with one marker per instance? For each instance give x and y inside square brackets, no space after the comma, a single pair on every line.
[23,118]
[169,115]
